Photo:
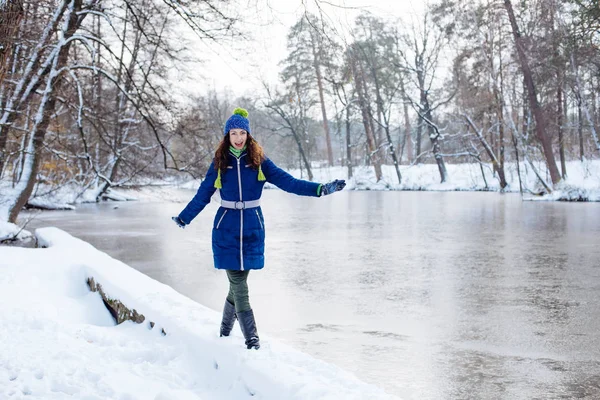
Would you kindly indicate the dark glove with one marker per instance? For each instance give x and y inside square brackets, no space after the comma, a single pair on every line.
[179,222]
[328,188]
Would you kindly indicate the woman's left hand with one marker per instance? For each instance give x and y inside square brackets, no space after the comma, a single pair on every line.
[334,186]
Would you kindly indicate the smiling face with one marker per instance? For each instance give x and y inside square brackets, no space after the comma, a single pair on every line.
[238,137]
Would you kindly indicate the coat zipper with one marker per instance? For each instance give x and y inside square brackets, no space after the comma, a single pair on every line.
[259,221]
[221,219]
[241,217]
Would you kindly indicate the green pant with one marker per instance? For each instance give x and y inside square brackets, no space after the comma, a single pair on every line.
[238,290]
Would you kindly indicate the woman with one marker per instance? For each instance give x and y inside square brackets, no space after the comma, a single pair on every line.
[240,170]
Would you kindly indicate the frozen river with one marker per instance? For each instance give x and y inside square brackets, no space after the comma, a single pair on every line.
[428,295]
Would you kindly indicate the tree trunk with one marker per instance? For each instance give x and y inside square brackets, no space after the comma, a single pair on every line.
[407,128]
[559,91]
[348,143]
[46,109]
[490,152]
[366,117]
[380,113]
[392,152]
[582,107]
[595,90]
[11,13]
[434,135]
[303,155]
[501,174]
[540,121]
[498,162]
[559,124]
[423,99]
[516,146]
[498,93]
[382,119]
[322,101]
[418,144]
[522,138]
[33,77]
[580,127]
[437,152]
[32,159]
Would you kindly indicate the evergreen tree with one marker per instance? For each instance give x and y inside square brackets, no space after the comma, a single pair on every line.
[312,53]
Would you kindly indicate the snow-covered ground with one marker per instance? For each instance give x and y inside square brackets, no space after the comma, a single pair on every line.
[58,341]
[583,179]
[12,231]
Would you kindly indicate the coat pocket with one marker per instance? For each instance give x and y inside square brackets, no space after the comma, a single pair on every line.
[259,220]
[221,219]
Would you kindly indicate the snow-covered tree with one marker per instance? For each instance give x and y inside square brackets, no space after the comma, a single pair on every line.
[86,86]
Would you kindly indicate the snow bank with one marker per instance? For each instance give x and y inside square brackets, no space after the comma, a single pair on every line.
[12,231]
[582,182]
[58,340]
[44,204]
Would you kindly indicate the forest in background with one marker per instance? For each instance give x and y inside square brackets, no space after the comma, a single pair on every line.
[86,99]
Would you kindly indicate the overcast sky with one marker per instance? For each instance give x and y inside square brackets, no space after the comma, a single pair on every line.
[242,71]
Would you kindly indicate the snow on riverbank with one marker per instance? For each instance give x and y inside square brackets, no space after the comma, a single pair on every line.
[582,183]
[57,339]
[583,180]
[10,231]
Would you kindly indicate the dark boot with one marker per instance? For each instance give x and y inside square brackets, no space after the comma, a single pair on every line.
[248,326]
[228,318]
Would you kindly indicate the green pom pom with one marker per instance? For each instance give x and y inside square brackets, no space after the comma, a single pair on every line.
[241,111]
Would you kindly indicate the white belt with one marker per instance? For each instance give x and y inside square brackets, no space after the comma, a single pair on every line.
[240,205]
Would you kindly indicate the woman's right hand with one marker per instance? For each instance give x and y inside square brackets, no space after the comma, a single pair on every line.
[179,222]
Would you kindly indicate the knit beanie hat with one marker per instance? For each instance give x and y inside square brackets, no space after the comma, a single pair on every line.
[239,120]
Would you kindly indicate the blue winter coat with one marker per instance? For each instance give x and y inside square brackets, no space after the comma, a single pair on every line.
[238,236]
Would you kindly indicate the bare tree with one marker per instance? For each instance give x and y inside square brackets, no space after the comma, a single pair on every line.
[291,109]
[540,120]
[478,72]
[311,53]
[420,58]
[407,141]
[52,79]
[341,89]
[50,70]
[378,56]
[363,103]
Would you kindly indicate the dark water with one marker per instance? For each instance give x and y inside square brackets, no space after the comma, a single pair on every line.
[428,295]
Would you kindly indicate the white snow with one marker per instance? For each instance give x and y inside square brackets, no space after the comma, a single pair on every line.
[57,340]
[49,205]
[12,231]
[582,183]
[583,178]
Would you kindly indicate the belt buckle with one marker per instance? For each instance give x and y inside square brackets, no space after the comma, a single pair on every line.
[241,206]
